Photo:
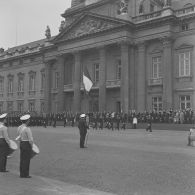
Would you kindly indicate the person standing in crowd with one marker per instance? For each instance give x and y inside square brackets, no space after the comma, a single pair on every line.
[135,122]
[54,120]
[26,143]
[82,129]
[149,121]
[191,136]
[4,143]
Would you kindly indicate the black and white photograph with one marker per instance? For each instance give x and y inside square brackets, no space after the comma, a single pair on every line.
[97,97]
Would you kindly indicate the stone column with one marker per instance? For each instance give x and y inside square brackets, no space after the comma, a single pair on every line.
[132,77]
[193,74]
[167,74]
[48,82]
[77,82]
[125,67]
[141,78]
[61,68]
[102,80]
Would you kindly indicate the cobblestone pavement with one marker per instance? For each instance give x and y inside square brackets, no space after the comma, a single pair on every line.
[131,162]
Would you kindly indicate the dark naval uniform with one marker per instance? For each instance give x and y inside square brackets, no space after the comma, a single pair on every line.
[4,146]
[82,129]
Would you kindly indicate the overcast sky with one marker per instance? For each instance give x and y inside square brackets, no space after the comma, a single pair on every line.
[23,21]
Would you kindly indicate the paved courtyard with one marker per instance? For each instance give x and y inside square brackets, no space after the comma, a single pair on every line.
[131,162]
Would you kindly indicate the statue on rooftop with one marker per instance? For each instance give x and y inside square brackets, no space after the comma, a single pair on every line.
[48,33]
[1,50]
[167,3]
[62,25]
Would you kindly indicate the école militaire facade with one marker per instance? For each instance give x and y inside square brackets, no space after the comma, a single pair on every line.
[139,53]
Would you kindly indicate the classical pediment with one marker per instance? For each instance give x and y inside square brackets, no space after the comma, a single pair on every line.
[88,24]
[156,50]
[184,46]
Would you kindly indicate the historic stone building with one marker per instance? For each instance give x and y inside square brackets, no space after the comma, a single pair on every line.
[140,55]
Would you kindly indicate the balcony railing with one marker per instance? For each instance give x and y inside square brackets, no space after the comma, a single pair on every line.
[20,93]
[109,84]
[54,90]
[68,87]
[155,81]
[10,94]
[147,16]
[32,93]
[185,11]
[164,12]
[113,83]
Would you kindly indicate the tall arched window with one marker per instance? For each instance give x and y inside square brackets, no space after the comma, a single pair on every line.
[10,84]
[20,82]
[32,81]
[141,8]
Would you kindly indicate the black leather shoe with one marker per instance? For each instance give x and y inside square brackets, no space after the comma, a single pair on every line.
[25,176]
[4,171]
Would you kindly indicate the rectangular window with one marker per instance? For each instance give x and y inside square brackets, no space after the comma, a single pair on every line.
[1,107]
[32,83]
[184,27]
[118,69]
[10,85]
[10,106]
[96,72]
[20,84]
[42,80]
[31,106]
[184,64]
[185,102]
[42,107]
[157,103]
[156,67]
[57,77]
[1,85]
[56,107]
[151,8]
[20,106]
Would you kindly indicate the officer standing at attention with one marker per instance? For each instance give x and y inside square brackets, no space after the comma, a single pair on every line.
[4,143]
[26,143]
[82,129]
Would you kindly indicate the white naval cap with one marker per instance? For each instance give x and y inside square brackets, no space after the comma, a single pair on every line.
[82,115]
[3,115]
[25,117]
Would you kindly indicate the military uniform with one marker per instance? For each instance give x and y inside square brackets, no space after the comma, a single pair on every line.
[82,129]
[4,144]
[26,142]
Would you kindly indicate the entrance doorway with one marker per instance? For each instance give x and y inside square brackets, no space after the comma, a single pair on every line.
[118,106]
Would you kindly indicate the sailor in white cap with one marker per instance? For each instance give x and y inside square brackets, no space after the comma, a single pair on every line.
[82,129]
[26,142]
[4,143]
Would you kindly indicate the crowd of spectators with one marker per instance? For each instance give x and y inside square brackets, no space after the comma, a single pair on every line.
[105,119]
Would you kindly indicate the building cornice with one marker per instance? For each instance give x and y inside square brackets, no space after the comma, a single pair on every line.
[11,58]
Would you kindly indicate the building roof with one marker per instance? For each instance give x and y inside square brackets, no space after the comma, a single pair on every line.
[25,48]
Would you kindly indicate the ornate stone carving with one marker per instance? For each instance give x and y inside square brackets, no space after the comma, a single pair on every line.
[122,7]
[167,3]
[89,26]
